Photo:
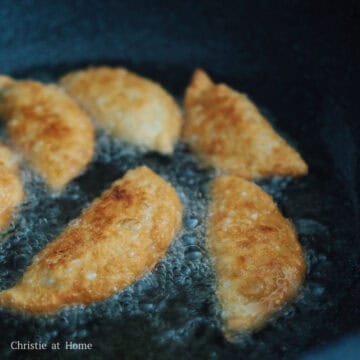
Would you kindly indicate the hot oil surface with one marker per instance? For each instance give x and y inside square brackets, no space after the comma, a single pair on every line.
[172,311]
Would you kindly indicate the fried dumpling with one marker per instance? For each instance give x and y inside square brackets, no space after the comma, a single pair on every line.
[120,236]
[5,80]
[226,130]
[129,107]
[11,190]
[258,260]
[54,135]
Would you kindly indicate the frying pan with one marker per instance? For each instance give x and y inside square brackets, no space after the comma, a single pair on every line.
[297,61]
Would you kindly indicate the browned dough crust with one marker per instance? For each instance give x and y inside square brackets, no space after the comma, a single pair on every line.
[122,235]
[128,106]
[54,135]
[226,130]
[258,260]
[11,190]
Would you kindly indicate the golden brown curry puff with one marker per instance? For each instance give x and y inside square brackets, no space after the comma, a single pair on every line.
[120,236]
[226,130]
[49,128]
[5,80]
[11,190]
[258,260]
[127,106]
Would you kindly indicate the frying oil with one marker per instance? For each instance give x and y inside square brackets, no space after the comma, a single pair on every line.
[171,311]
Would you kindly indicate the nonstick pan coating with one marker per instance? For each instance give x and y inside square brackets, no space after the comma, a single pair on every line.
[298,69]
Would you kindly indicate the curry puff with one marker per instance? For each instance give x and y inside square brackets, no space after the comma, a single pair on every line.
[226,130]
[54,135]
[5,80]
[127,106]
[258,260]
[122,235]
[11,190]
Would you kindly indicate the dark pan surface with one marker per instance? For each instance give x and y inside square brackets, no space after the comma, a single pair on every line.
[298,69]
